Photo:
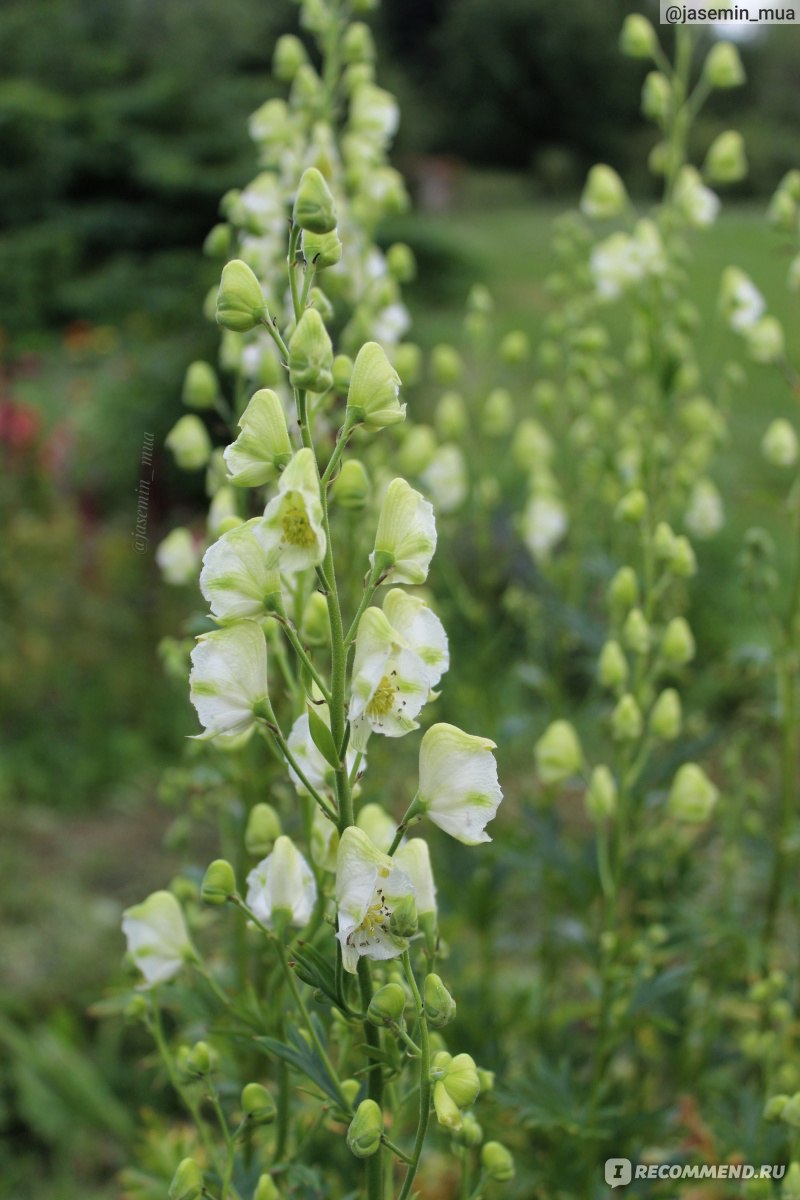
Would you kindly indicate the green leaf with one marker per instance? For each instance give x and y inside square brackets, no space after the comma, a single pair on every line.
[304,1059]
[322,738]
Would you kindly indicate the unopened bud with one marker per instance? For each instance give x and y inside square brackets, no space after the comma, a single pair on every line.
[779,445]
[726,161]
[258,1105]
[470,1134]
[387,1005]
[401,262]
[604,194]
[189,442]
[314,208]
[288,58]
[497,1162]
[352,487]
[692,796]
[366,1130]
[218,245]
[240,301]
[201,1060]
[187,1182]
[440,1007]
[684,560]
[497,418]
[665,716]
[322,249]
[407,361]
[266,1189]
[311,354]
[417,450]
[601,795]
[404,921]
[632,507]
[765,340]
[623,591]
[638,38]
[612,666]
[677,645]
[446,364]
[450,416]
[723,66]
[626,719]
[219,883]
[636,632]
[200,386]
[357,44]
[558,753]
[262,831]
[656,99]
[515,347]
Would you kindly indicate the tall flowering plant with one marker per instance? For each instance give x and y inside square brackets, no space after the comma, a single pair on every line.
[307,1047]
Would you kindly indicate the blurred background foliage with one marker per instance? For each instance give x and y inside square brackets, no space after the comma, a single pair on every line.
[122,122]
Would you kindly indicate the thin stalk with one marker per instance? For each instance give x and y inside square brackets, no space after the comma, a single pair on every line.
[375,1082]
[425,1087]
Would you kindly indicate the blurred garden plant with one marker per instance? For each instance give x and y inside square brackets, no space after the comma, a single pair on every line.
[307,1048]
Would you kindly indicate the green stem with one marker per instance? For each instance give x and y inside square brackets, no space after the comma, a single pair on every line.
[338,451]
[371,585]
[425,1087]
[271,726]
[275,334]
[294,240]
[230,1145]
[312,1032]
[375,1082]
[303,655]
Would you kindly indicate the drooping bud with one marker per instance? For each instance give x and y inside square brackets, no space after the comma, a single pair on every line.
[262,831]
[311,354]
[352,487]
[470,1134]
[366,1130]
[189,442]
[601,795]
[258,1105]
[187,1182]
[692,796]
[387,1005]
[626,719]
[665,716]
[638,38]
[459,1079]
[604,195]
[288,58]
[497,1162]
[726,161]
[200,386]
[322,249]
[219,883]
[240,301]
[440,1007]
[314,207]
[723,66]
[558,753]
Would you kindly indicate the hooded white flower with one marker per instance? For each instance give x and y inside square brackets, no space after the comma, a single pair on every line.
[420,629]
[699,204]
[544,524]
[228,680]
[620,261]
[263,445]
[291,528]
[740,300]
[282,886]
[406,536]
[236,578]
[458,787]
[374,113]
[158,941]
[312,763]
[415,859]
[705,515]
[445,478]
[390,682]
[178,557]
[369,884]
[373,396]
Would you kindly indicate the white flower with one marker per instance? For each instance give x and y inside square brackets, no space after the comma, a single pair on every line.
[282,887]
[373,395]
[699,204]
[157,938]
[374,113]
[445,478]
[458,788]
[236,579]
[178,557]
[406,536]
[368,886]
[740,300]
[263,445]
[228,681]
[312,763]
[390,682]
[420,629]
[620,261]
[292,524]
[415,859]
[705,515]
[544,524]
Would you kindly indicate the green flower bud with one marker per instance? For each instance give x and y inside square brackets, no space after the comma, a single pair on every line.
[357,44]
[315,625]
[726,161]
[350,1089]
[558,753]
[258,1105]
[187,1182]
[692,796]
[765,340]
[314,207]
[387,1005]
[626,719]
[638,38]
[417,450]
[497,1162]
[677,645]
[401,262]
[450,417]
[636,632]
[601,795]
[459,1079]
[782,212]
[262,831]
[290,55]
[790,1112]
[266,1189]
[446,364]
[311,354]
[366,1130]
[218,242]
[352,487]
[189,442]
[200,386]
[779,444]
[201,1059]
[604,194]
[666,715]
[612,666]
[656,100]
[623,591]
[219,882]
[773,1109]
[790,1188]
[320,302]
[263,447]
[240,301]
[515,348]
[531,446]
[470,1134]
[497,418]
[684,562]
[632,507]
[136,1009]
[440,1007]
[407,361]
[373,397]
[723,66]
[322,249]
[404,922]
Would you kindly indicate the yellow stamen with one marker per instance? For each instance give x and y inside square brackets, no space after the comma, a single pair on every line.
[383,700]
[296,528]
